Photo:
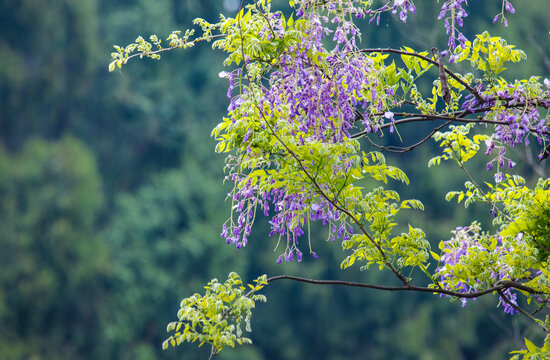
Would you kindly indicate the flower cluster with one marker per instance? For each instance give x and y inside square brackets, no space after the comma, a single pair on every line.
[507,7]
[517,118]
[245,203]
[471,261]
[401,6]
[499,159]
[305,96]
[405,6]
[453,14]
[515,126]
[314,95]
[292,211]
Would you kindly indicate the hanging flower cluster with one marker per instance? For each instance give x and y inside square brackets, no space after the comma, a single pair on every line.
[453,14]
[471,261]
[314,95]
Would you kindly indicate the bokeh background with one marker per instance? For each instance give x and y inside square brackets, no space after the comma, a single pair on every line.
[111,197]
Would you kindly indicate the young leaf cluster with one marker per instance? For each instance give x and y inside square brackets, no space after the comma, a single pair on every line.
[217,316]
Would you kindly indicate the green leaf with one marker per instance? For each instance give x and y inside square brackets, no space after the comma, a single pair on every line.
[290,21]
[530,346]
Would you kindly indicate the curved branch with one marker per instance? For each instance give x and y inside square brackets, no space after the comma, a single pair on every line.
[499,286]
[401,150]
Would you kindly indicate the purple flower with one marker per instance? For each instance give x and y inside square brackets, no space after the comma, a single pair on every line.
[455,17]
[508,6]
[512,299]
[247,135]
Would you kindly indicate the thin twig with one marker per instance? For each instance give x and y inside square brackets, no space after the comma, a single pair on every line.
[265,18]
[461,165]
[526,313]
[148,53]
[212,353]
[401,150]
[541,307]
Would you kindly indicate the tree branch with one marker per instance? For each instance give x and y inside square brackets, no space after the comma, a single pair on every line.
[401,150]
[518,309]
[453,116]
[499,286]
[161,50]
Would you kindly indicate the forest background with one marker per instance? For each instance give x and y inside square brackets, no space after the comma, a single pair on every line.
[111,198]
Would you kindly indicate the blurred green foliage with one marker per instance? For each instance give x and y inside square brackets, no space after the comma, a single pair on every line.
[163,244]
[111,201]
[53,263]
